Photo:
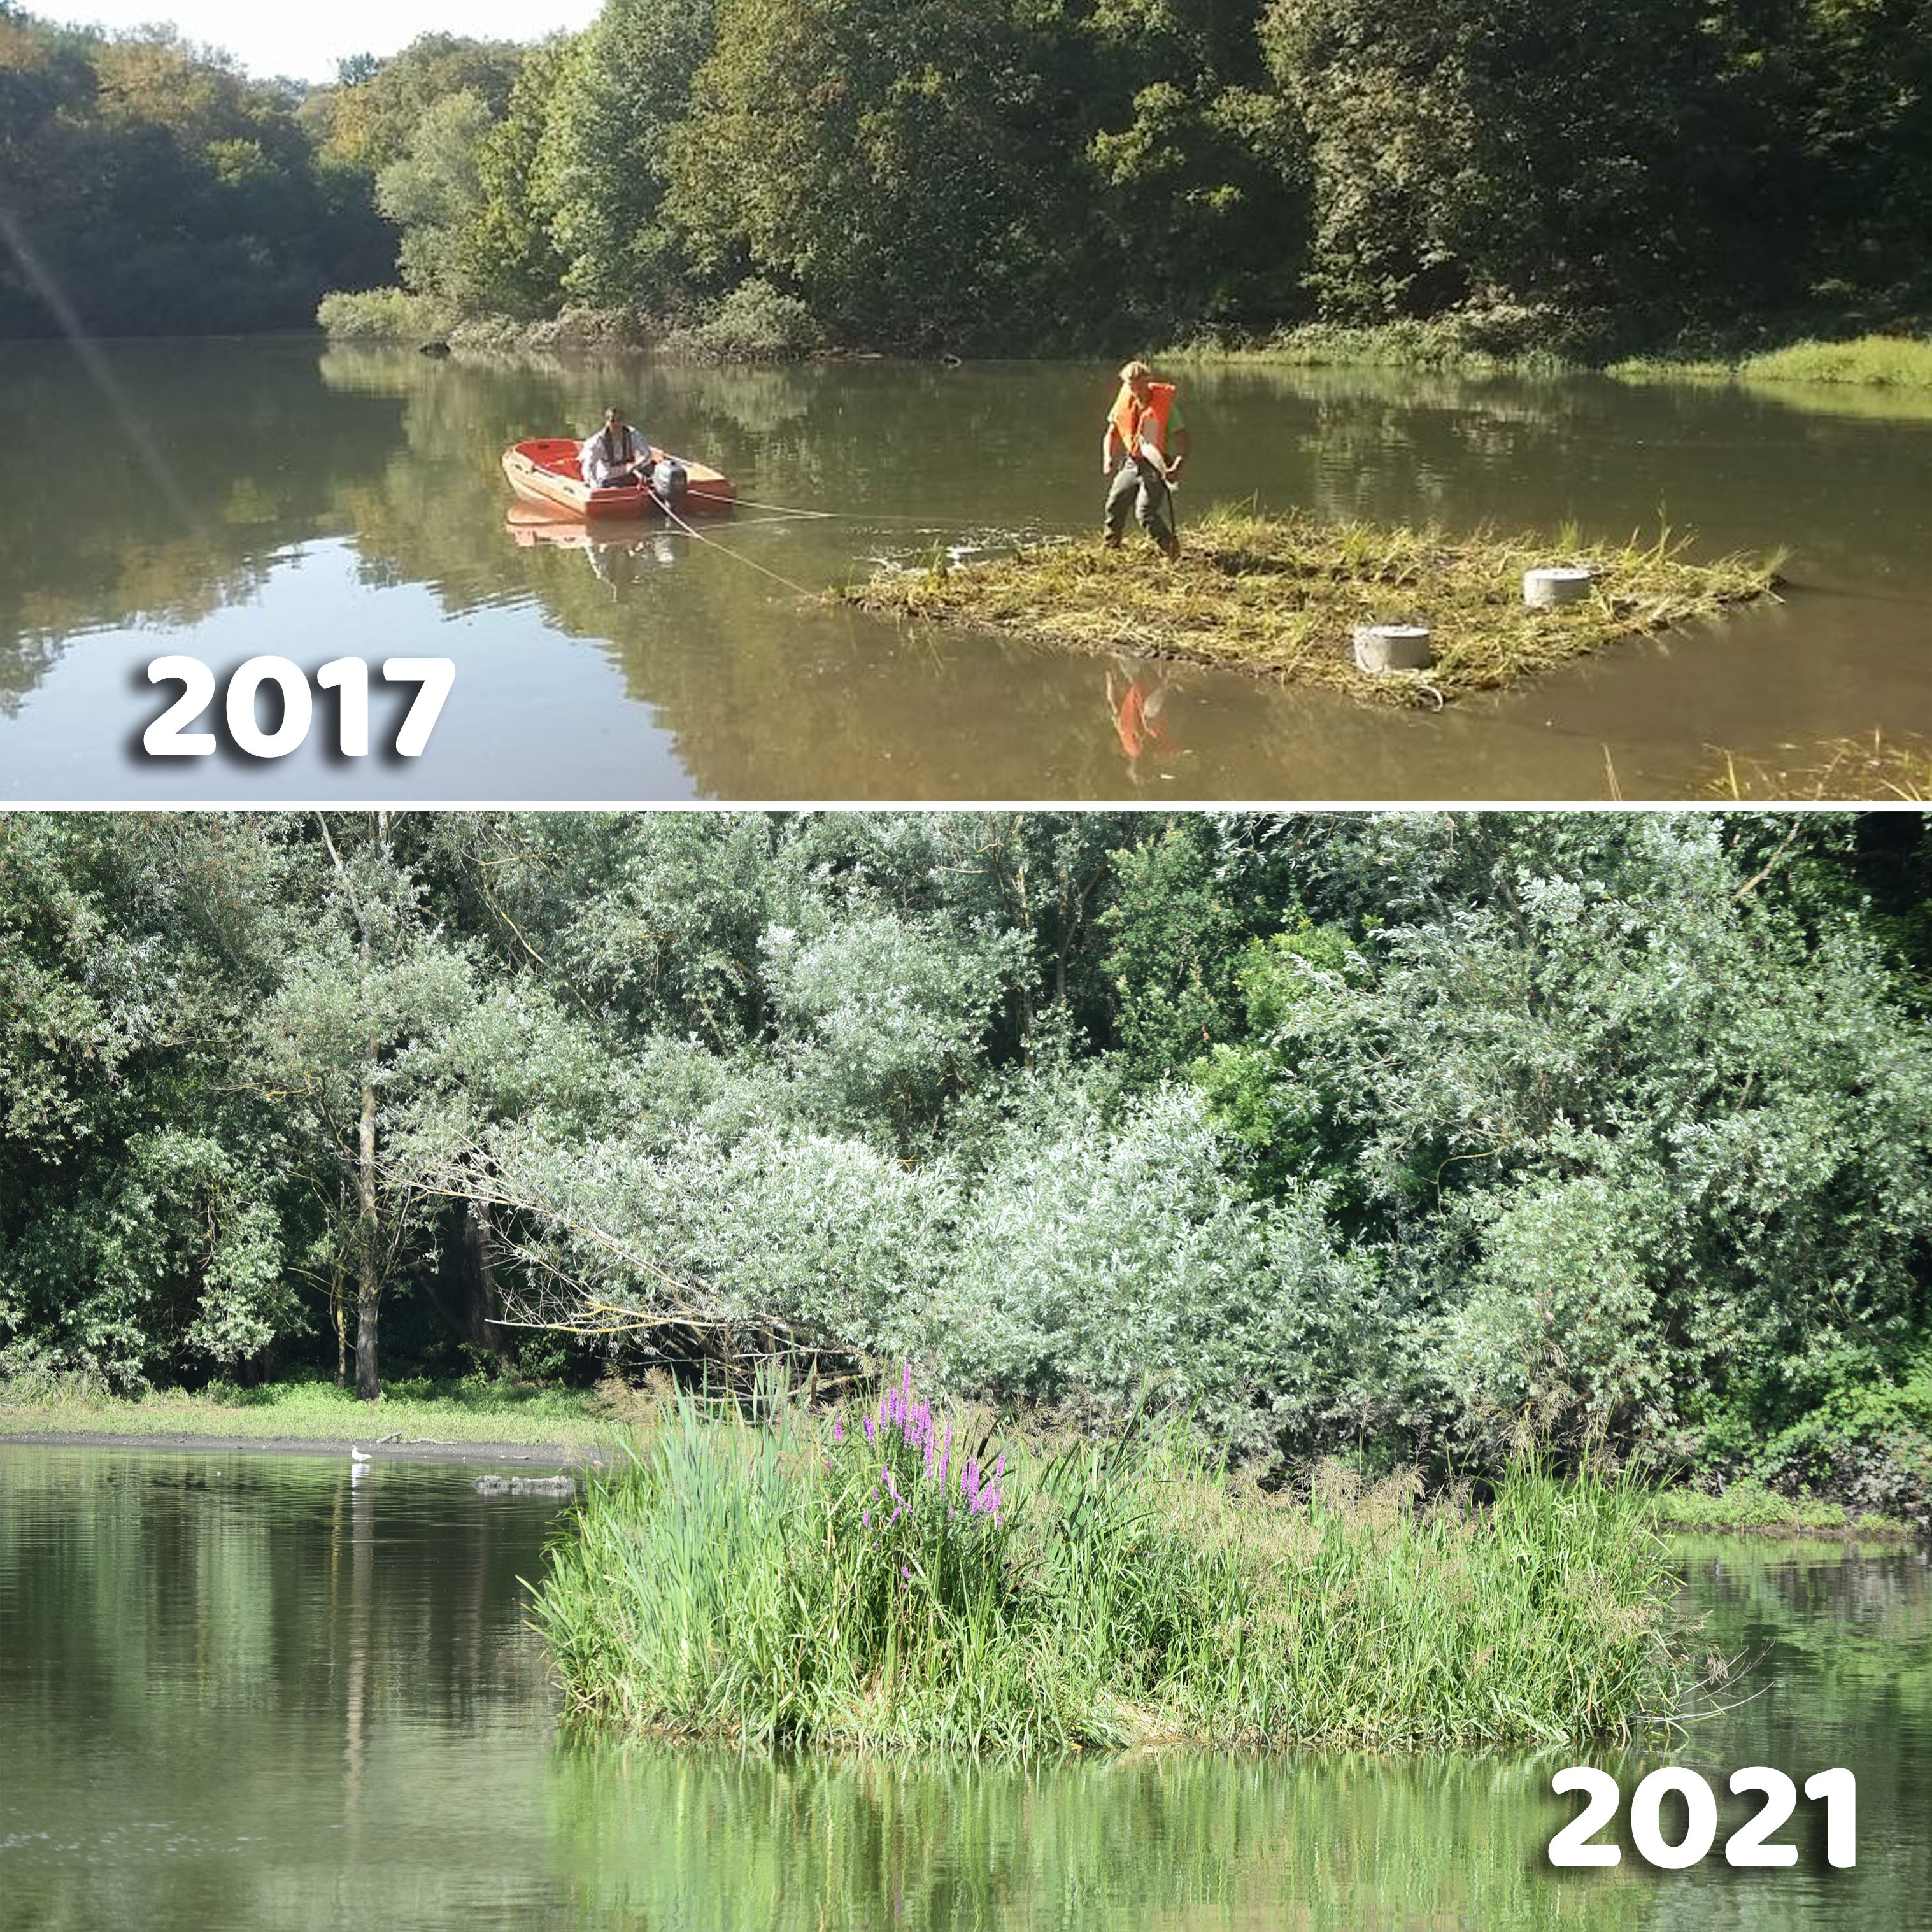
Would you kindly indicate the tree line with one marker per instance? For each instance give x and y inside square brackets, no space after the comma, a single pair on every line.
[1401,1134]
[1031,175]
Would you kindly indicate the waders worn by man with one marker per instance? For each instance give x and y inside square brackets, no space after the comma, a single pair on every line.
[1145,445]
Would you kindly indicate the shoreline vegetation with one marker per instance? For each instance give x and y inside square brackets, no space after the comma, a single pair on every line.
[419,1410]
[900,1579]
[1372,1136]
[762,176]
[1280,596]
[757,324]
[475,1412]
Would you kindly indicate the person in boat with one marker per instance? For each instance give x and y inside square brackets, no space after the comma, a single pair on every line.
[617,458]
[1141,455]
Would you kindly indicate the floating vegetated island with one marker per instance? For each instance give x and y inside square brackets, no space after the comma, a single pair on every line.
[892,1579]
[1283,596]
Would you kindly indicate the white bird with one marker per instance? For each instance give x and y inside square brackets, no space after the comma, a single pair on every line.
[356,1455]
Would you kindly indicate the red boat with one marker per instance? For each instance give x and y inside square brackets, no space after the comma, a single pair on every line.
[544,470]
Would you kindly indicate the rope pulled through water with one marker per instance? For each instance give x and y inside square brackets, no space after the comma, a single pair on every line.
[725,550]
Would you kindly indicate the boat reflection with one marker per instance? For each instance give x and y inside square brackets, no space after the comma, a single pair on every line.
[618,554]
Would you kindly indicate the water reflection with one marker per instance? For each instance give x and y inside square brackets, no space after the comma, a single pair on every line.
[716,668]
[1165,1841]
[271,1692]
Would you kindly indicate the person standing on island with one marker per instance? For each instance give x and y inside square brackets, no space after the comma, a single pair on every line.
[1142,453]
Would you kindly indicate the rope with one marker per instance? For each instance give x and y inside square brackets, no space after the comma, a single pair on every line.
[750,563]
[750,503]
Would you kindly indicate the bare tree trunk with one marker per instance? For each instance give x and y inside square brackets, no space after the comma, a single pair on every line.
[338,1313]
[368,1388]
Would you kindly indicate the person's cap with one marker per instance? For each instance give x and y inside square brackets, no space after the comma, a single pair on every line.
[1134,370]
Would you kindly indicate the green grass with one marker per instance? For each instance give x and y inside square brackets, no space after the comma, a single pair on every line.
[1749,1505]
[1281,596]
[1512,342]
[757,1584]
[1901,362]
[384,315]
[473,1410]
[1532,342]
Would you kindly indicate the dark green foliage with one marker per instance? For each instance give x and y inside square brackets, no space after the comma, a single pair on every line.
[1177,937]
[146,187]
[1395,1133]
[608,152]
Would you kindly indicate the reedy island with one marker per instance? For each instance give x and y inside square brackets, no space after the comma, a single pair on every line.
[795,1581]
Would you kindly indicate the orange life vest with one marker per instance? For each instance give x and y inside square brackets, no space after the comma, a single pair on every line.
[1130,420]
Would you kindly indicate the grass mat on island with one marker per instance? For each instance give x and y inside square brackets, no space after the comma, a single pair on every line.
[1282,597]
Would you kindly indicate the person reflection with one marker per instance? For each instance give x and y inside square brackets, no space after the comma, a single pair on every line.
[619,565]
[1136,701]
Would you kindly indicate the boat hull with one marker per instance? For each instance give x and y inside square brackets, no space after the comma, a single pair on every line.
[544,470]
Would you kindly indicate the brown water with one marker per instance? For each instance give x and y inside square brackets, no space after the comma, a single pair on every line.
[261,1692]
[227,499]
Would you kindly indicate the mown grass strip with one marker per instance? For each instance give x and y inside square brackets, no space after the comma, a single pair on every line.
[1282,596]
[472,1410]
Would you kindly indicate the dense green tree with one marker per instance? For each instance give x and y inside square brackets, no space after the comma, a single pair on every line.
[511,259]
[1201,181]
[434,194]
[902,166]
[619,100]
[146,185]
[1500,152]
[368,119]
[146,1220]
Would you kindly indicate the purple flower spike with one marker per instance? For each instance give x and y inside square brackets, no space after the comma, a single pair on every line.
[837,1432]
[871,1432]
[869,1518]
[945,1450]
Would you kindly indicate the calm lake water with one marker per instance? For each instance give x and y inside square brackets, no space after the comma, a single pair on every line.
[223,499]
[253,1691]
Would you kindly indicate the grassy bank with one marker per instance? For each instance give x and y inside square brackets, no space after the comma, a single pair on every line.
[1896,362]
[1514,345]
[1281,596]
[754,323]
[896,1581]
[474,1410]
[1528,343]
[1749,1506]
